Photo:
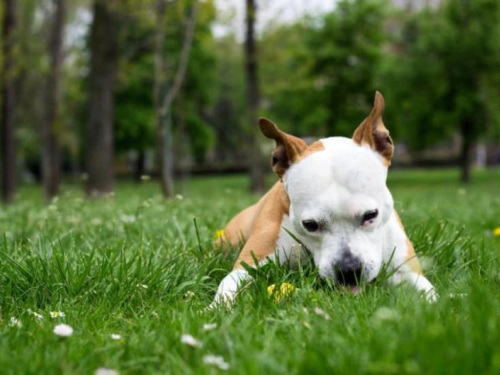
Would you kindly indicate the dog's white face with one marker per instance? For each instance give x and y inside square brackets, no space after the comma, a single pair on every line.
[339,204]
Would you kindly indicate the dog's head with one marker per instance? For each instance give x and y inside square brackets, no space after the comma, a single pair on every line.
[339,201]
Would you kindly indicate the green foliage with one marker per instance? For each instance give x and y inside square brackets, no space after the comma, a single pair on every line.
[134,109]
[288,90]
[346,49]
[445,75]
[133,265]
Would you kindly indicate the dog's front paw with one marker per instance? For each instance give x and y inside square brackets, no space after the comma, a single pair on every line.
[225,300]
[431,296]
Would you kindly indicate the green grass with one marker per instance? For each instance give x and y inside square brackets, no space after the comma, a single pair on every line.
[138,266]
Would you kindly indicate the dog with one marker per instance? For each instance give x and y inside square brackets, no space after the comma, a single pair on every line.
[332,199]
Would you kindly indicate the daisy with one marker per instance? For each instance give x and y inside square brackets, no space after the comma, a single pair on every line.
[209,327]
[215,360]
[191,341]
[57,314]
[63,330]
[14,322]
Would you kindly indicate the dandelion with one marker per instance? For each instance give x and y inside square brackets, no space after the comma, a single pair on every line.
[496,231]
[321,312]
[63,330]
[215,360]
[57,314]
[209,326]
[187,339]
[105,371]
[14,322]
[116,336]
[219,233]
[285,290]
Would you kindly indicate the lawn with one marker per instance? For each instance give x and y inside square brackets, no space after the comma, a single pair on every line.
[133,273]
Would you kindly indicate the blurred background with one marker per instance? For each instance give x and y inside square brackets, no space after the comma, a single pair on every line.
[98,90]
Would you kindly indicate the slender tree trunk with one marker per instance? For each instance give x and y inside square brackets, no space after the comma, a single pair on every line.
[51,150]
[140,165]
[257,175]
[104,60]
[7,132]
[165,94]
[466,152]
[163,126]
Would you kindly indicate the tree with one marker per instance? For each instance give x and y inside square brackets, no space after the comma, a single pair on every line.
[165,93]
[8,141]
[257,175]
[103,68]
[346,50]
[51,149]
[446,77]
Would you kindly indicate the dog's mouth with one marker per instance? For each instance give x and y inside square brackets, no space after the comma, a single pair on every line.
[351,280]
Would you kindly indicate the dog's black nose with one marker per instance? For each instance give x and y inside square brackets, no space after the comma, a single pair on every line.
[349,270]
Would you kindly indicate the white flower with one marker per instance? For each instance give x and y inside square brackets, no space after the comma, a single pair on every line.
[189,294]
[322,313]
[96,221]
[63,330]
[36,315]
[155,314]
[128,219]
[14,322]
[143,286]
[209,327]
[116,336]
[191,341]
[57,314]
[215,360]
[105,371]
[386,313]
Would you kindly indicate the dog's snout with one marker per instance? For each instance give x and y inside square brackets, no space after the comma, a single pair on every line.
[349,270]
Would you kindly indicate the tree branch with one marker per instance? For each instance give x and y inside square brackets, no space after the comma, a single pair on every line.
[183,61]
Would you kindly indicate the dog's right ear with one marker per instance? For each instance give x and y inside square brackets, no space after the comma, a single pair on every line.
[288,148]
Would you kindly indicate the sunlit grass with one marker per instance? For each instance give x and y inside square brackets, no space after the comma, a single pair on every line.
[137,266]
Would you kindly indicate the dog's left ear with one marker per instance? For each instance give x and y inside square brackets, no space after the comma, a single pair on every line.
[373,132]
[288,148]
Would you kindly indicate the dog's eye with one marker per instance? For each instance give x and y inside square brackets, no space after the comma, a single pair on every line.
[311,225]
[370,215]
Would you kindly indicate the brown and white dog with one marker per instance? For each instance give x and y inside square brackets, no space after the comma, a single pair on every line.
[332,196]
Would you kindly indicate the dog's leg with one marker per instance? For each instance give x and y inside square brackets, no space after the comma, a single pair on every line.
[419,281]
[228,288]
[404,260]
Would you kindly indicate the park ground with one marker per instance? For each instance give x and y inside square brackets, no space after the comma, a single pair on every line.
[133,273]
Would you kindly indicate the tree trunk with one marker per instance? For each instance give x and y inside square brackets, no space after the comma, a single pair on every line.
[257,174]
[466,152]
[51,150]
[140,165]
[163,125]
[165,94]
[103,67]
[8,142]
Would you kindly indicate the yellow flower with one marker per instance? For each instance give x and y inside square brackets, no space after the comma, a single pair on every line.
[284,291]
[496,231]
[219,233]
